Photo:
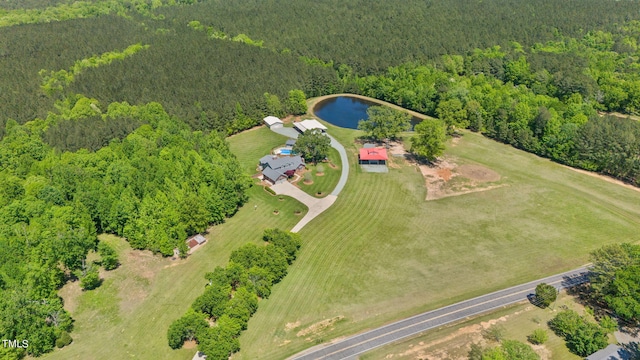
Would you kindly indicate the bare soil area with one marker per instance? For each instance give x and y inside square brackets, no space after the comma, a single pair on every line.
[446,178]
[318,327]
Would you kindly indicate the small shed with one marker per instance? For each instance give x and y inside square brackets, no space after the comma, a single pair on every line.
[309,124]
[196,240]
[273,122]
[290,143]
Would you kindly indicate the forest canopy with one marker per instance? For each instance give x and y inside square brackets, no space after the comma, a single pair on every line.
[159,184]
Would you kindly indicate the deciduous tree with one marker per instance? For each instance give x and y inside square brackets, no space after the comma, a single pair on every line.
[312,145]
[428,143]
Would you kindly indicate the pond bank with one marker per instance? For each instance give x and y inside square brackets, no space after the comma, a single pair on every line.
[313,102]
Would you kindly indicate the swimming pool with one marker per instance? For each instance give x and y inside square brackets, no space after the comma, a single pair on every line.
[285,151]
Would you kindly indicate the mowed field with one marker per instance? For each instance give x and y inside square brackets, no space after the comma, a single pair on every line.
[128,316]
[382,252]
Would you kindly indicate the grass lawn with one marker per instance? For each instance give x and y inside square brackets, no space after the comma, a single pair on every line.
[382,252]
[128,316]
[454,341]
[327,182]
[253,144]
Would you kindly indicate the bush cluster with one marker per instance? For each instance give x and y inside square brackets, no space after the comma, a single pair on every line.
[231,296]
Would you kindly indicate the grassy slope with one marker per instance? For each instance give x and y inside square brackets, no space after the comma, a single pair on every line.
[382,253]
[128,316]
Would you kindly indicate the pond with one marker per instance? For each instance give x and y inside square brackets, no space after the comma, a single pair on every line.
[346,111]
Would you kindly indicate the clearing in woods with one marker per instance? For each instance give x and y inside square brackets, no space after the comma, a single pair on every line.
[382,253]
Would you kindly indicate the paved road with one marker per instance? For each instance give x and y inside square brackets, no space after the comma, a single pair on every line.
[345,165]
[351,347]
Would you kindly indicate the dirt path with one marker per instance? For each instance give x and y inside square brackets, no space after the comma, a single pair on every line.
[311,104]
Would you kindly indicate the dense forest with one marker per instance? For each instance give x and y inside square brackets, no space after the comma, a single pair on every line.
[159,184]
[113,112]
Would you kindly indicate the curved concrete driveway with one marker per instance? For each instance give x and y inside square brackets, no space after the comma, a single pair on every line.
[316,205]
[351,347]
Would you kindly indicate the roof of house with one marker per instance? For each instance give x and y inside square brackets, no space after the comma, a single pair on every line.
[611,352]
[271,174]
[285,163]
[192,243]
[311,124]
[373,154]
[290,142]
[265,159]
[270,120]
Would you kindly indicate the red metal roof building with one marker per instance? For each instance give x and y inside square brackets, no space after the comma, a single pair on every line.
[376,155]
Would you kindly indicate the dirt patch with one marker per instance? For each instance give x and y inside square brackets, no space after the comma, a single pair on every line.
[319,327]
[444,174]
[457,346]
[290,119]
[290,326]
[309,182]
[396,148]
[545,354]
[191,344]
[478,173]
[319,174]
[446,178]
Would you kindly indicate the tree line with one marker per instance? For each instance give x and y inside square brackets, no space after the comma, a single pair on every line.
[231,296]
[496,91]
[155,186]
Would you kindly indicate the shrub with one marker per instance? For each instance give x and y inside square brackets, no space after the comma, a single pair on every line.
[583,337]
[516,350]
[608,324]
[190,326]
[109,257]
[64,340]
[538,337]
[319,169]
[270,190]
[90,280]
[545,295]
[308,177]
